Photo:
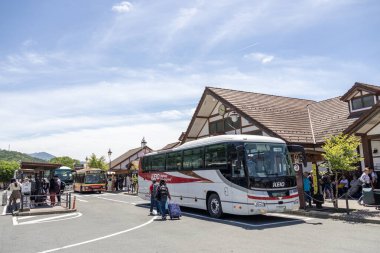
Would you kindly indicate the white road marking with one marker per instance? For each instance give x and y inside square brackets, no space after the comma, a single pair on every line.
[5,210]
[122,201]
[25,217]
[100,238]
[44,220]
[15,222]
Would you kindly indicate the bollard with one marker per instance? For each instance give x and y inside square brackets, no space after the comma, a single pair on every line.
[74,202]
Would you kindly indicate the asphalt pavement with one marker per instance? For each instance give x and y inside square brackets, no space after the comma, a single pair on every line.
[121,223]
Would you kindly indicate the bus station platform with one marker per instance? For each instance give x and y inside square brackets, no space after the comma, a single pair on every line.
[357,213]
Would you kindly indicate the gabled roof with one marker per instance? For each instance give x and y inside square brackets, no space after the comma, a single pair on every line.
[283,116]
[291,119]
[360,86]
[127,155]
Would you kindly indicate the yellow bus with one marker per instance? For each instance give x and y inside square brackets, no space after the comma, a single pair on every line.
[89,180]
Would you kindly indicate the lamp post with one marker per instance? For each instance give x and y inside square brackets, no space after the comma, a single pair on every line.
[86,163]
[234,116]
[109,157]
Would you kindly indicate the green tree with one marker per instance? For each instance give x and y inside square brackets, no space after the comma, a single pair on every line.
[7,170]
[95,162]
[65,161]
[341,156]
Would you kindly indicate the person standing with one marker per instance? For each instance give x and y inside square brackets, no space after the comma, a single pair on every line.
[373,176]
[163,195]
[58,190]
[343,185]
[128,183]
[366,182]
[53,190]
[15,189]
[306,188]
[152,196]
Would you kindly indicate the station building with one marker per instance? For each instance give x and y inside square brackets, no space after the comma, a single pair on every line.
[296,121]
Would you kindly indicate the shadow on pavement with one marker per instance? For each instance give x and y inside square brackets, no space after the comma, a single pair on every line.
[251,222]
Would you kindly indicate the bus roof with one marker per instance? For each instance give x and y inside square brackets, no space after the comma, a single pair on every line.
[222,138]
[88,169]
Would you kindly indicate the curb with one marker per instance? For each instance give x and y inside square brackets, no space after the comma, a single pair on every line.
[43,213]
[335,216]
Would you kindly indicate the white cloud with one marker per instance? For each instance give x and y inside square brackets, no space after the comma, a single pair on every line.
[263,58]
[122,7]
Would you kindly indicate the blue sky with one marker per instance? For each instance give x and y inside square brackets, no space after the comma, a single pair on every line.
[79,77]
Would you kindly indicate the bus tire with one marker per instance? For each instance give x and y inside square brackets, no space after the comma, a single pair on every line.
[81,189]
[214,206]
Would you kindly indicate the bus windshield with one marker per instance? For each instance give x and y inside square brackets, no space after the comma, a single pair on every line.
[97,178]
[268,160]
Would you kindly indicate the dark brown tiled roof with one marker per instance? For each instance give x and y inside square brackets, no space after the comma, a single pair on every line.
[329,117]
[286,117]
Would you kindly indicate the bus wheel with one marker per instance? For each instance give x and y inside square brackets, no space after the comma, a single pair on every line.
[81,189]
[214,206]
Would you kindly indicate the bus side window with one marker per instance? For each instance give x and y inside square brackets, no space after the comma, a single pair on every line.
[158,162]
[235,164]
[174,161]
[215,157]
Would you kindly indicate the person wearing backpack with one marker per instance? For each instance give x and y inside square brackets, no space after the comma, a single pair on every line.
[162,196]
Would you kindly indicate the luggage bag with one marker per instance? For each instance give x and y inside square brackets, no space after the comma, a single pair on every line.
[174,211]
[368,196]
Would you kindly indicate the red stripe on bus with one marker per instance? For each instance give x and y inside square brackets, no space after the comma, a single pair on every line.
[272,198]
[172,179]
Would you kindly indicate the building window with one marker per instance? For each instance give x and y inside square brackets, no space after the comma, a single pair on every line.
[362,102]
[224,125]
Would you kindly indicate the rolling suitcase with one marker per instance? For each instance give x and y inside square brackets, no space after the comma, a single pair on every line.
[368,196]
[174,211]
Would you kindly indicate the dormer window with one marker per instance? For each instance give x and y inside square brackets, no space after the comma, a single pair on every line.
[363,102]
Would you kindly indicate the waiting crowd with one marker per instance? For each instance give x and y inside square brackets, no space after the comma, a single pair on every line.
[35,191]
[351,184]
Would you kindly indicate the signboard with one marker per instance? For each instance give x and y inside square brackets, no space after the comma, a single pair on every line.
[26,187]
[315,177]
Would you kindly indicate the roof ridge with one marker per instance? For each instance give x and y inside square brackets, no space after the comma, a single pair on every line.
[208,87]
[368,84]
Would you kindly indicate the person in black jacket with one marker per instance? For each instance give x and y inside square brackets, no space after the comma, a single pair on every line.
[162,196]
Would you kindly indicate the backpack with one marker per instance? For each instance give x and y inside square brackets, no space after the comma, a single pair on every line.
[162,192]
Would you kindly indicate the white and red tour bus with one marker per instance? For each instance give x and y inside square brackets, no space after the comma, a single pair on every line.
[235,174]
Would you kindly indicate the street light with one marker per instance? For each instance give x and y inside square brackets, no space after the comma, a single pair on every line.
[234,116]
[109,156]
